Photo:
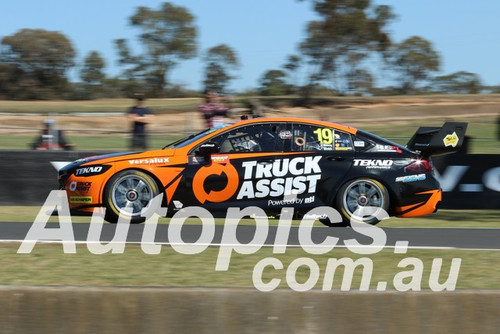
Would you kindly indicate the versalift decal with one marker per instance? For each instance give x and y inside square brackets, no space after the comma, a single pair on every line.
[150,161]
[270,179]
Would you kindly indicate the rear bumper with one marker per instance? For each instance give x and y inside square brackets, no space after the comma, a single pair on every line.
[428,205]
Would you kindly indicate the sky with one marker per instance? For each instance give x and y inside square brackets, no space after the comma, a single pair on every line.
[263,32]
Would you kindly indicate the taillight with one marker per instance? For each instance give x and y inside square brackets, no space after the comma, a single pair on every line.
[420,166]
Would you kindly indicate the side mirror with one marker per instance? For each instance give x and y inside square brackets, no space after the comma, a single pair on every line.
[207,149]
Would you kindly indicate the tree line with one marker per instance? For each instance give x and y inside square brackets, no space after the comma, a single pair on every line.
[336,57]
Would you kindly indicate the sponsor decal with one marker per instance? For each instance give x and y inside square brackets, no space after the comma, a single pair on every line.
[342,144]
[387,148]
[220,195]
[411,178]
[80,199]
[271,181]
[359,143]
[315,216]
[309,200]
[291,201]
[373,164]
[151,161]
[281,178]
[220,159]
[285,134]
[80,186]
[451,140]
[91,170]
[256,216]
[327,147]
[281,202]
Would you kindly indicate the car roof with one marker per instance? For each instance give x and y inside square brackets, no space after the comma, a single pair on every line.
[296,120]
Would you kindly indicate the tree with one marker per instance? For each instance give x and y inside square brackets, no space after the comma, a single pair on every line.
[414,59]
[92,71]
[9,79]
[359,80]
[291,66]
[345,27]
[168,35]
[220,60]
[40,60]
[457,83]
[273,83]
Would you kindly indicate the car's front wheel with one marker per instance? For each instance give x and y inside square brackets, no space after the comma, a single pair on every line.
[127,193]
[355,196]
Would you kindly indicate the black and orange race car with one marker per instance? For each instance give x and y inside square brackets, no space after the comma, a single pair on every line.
[268,163]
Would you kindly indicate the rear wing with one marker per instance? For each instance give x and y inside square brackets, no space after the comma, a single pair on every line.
[438,140]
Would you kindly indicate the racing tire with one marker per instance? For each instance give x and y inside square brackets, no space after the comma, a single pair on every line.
[127,193]
[360,193]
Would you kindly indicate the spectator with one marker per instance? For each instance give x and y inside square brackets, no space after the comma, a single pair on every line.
[213,111]
[498,127]
[140,116]
[51,139]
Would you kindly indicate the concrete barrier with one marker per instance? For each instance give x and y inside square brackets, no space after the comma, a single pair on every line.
[27,177]
[205,310]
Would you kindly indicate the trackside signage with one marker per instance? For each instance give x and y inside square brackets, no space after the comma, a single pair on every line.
[469,181]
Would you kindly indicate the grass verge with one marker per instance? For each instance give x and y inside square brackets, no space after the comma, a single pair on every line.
[47,265]
[443,218]
[115,142]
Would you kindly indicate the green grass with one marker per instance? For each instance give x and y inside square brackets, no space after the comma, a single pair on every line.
[443,218]
[167,105]
[102,105]
[115,142]
[47,265]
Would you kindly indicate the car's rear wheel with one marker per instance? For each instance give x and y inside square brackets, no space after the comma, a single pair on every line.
[127,193]
[361,193]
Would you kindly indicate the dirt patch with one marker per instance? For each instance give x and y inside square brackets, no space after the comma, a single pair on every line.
[398,112]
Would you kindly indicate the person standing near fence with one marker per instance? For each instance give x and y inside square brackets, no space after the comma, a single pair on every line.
[213,111]
[140,116]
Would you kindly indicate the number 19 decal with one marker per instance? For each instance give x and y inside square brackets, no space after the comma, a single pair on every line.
[325,135]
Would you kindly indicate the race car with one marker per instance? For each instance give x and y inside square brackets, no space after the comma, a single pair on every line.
[269,163]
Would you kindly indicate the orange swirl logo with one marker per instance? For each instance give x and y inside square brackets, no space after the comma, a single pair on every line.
[215,196]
